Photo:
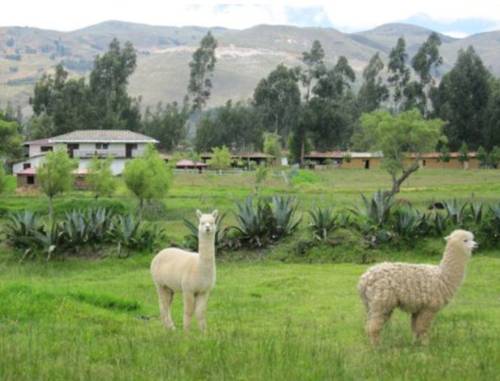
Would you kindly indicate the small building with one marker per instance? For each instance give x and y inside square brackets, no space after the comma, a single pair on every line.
[27,178]
[434,160]
[345,159]
[189,164]
[121,145]
[242,159]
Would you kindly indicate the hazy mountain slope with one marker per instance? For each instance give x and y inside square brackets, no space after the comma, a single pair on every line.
[244,56]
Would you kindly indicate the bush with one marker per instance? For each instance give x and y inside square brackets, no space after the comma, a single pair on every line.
[266,221]
[322,223]
[377,209]
[130,233]
[79,229]
[20,229]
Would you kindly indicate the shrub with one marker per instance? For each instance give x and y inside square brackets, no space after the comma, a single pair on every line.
[284,212]
[130,233]
[254,222]
[20,229]
[456,211]
[410,223]
[377,209]
[322,222]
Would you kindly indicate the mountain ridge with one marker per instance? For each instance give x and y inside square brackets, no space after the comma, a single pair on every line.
[244,56]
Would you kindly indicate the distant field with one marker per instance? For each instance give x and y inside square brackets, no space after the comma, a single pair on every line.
[340,188]
[82,319]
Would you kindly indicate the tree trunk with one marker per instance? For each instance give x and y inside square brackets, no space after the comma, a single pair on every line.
[396,182]
[51,211]
[302,152]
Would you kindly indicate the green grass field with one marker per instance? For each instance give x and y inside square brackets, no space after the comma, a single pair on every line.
[98,319]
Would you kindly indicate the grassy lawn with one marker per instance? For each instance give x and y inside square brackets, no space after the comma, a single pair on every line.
[98,319]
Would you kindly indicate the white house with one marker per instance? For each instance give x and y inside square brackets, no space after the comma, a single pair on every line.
[121,145]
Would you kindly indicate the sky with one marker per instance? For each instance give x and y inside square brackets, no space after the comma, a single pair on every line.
[457,18]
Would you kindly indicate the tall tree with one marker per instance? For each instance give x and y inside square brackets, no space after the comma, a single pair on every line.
[278,99]
[491,129]
[462,99]
[336,81]
[314,67]
[65,101]
[61,104]
[167,124]
[235,125]
[373,90]
[112,107]
[402,139]
[10,139]
[202,67]
[399,73]
[425,64]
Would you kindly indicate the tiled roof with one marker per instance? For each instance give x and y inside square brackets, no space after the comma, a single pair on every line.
[102,136]
[39,142]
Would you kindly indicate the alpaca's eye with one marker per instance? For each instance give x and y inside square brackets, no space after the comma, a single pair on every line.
[465,240]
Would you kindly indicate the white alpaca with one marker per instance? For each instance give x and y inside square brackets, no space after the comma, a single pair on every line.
[192,274]
[421,290]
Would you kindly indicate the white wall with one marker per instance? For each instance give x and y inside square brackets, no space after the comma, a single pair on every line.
[34,161]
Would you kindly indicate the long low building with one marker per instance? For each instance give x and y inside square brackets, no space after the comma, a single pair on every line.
[373,160]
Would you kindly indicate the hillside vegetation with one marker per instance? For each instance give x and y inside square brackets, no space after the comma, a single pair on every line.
[245,56]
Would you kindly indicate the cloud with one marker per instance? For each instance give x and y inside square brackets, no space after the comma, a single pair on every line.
[346,15]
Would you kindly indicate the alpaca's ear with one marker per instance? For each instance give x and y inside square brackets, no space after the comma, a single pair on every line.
[215,213]
[198,213]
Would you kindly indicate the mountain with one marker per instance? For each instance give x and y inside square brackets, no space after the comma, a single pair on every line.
[243,56]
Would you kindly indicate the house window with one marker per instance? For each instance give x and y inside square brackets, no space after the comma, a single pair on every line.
[46,148]
[101,145]
[26,165]
[30,180]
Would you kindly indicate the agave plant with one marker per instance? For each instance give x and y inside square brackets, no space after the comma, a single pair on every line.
[476,211]
[254,221]
[439,224]
[192,238]
[456,211]
[284,211]
[323,221]
[75,229]
[128,232]
[21,227]
[50,239]
[377,209]
[100,222]
[409,223]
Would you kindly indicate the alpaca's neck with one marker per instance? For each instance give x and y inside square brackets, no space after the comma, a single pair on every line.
[206,250]
[453,268]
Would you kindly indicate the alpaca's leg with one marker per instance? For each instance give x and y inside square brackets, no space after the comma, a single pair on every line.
[188,309]
[375,323]
[423,322]
[200,310]
[414,322]
[166,296]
